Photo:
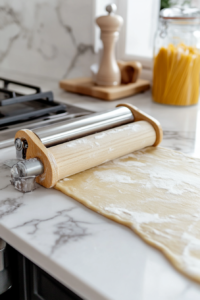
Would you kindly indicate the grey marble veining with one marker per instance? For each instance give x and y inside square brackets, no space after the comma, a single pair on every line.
[179,141]
[66,228]
[47,38]
[8,204]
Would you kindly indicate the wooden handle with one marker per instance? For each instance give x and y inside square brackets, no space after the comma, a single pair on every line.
[130,71]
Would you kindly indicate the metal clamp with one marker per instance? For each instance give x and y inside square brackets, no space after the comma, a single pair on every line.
[24,173]
[21,147]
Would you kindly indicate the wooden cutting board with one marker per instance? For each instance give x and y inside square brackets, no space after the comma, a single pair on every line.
[87,87]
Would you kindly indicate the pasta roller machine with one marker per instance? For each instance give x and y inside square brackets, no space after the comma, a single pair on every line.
[49,154]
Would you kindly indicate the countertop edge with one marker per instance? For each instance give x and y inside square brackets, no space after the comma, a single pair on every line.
[49,266]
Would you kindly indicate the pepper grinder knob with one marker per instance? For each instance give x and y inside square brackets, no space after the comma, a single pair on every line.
[109,72]
[111,8]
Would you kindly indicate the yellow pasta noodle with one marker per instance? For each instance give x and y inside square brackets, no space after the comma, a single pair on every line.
[176,75]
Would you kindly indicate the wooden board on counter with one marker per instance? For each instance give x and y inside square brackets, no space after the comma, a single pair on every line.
[87,87]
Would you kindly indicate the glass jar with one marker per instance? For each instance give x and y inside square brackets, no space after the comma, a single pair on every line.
[177,57]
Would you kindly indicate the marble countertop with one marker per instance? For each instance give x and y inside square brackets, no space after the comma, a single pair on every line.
[93,256]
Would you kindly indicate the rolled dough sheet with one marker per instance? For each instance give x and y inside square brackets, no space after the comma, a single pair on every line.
[155,192]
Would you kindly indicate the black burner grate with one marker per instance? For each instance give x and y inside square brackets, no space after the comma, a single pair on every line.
[16,107]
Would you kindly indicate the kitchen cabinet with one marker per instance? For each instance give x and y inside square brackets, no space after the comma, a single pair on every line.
[29,282]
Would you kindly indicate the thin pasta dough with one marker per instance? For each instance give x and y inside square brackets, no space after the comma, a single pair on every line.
[156,193]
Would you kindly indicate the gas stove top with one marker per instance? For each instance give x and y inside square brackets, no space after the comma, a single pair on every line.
[26,106]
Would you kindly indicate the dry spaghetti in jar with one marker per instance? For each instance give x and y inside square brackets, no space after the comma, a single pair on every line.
[177,57]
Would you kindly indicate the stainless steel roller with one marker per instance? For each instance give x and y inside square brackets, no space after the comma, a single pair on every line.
[83,126]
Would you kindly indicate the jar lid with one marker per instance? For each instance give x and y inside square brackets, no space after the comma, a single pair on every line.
[180,13]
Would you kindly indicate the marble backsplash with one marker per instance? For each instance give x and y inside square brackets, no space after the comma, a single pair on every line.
[47,38]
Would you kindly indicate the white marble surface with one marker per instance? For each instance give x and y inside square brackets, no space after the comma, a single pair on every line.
[95,257]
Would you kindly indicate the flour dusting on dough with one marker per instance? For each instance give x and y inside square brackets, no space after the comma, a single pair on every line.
[109,176]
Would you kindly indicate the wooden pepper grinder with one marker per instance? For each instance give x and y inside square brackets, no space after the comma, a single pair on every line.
[109,72]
